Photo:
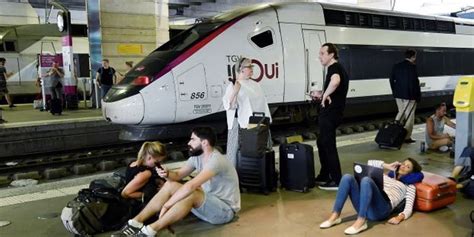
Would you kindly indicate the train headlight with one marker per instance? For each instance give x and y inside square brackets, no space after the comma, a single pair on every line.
[141,81]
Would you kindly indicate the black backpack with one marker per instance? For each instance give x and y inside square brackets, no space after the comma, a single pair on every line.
[95,211]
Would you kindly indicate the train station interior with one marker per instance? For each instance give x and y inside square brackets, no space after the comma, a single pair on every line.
[86,84]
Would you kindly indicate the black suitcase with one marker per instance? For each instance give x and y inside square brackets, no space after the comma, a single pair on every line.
[254,140]
[297,167]
[393,134]
[56,106]
[257,173]
[72,102]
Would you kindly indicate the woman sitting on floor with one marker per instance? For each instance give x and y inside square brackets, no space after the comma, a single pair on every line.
[142,180]
[374,204]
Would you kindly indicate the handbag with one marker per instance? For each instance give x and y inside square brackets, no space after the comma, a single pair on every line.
[254,139]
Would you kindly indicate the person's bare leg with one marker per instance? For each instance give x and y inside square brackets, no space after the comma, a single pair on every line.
[179,210]
[440,142]
[359,222]
[8,99]
[334,216]
[155,204]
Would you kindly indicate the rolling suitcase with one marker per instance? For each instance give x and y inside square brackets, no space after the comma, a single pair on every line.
[434,192]
[254,139]
[297,167]
[393,134]
[257,173]
[56,107]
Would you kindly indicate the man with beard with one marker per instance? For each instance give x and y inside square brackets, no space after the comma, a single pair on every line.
[213,195]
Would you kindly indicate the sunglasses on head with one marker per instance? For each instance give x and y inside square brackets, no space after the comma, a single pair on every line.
[248,66]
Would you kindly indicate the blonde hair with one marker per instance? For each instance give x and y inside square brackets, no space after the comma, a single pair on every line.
[155,149]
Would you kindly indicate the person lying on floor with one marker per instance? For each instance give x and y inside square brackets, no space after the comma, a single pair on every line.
[374,204]
[213,195]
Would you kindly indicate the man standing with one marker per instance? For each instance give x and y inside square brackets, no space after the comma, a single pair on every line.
[105,78]
[3,82]
[213,195]
[333,102]
[406,90]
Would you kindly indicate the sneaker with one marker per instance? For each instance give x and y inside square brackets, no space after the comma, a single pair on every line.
[443,148]
[2,121]
[127,230]
[321,180]
[409,140]
[330,185]
[141,234]
[12,106]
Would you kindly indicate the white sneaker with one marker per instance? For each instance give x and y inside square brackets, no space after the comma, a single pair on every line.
[443,148]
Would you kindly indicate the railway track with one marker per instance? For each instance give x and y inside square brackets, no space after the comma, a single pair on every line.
[54,165]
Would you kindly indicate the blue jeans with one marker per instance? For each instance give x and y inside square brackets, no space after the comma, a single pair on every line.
[367,199]
[103,90]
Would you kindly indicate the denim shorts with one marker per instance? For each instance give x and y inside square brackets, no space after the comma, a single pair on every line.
[214,210]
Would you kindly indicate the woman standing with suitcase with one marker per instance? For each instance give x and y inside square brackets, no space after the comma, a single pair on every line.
[243,96]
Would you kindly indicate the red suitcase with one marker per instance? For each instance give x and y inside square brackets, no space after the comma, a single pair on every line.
[434,192]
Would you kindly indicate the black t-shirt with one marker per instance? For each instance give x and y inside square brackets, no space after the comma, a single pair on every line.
[106,75]
[338,97]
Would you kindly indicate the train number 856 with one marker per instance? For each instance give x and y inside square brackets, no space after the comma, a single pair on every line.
[198,95]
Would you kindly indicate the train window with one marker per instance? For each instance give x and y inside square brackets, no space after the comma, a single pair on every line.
[263,39]
[350,18]
[188,37]
[364,20]
[445,27]
[9,46]
[334,17]
[394,22]
[430,25]
[377,21]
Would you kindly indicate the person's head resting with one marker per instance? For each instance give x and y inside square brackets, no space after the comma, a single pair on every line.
[328,54]
[150,153]
[440,110]
[129,64]
[105,63]
[244,65]
[202,138]
[2,61]
[409,166]
[410,55]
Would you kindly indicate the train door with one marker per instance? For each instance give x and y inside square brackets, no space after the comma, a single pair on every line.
[314,71]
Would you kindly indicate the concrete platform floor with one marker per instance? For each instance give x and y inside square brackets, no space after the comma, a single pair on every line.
[282,213]
[24,115]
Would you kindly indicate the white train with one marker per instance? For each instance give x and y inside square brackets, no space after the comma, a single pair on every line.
[184,80]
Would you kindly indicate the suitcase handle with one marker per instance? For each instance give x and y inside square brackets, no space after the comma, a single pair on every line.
[258,114]
[444,185]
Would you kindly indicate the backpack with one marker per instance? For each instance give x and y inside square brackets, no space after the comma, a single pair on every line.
[95,211]
[468,189]
[116,182]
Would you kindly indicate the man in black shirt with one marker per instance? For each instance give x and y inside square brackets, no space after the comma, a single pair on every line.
[333,102]
[105,78]
[406,90]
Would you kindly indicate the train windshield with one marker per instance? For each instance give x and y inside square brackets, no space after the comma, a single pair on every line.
[158,59]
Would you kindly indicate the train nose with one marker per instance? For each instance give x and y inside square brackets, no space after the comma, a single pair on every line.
[129,110]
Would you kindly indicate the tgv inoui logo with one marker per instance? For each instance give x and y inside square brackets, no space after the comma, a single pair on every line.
[270,71]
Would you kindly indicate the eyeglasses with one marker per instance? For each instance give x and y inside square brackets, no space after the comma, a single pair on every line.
[249,66]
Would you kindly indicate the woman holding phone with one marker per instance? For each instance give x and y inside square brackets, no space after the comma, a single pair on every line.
[141,178]
[370,202]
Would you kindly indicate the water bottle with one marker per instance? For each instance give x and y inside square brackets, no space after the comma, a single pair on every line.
[422,147]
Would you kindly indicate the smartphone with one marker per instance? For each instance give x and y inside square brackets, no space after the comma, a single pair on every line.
[157,164]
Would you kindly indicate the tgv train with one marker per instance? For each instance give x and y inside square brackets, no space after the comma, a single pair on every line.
[183,81]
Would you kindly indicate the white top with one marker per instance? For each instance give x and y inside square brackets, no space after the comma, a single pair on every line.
[397,191]
[249,99]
